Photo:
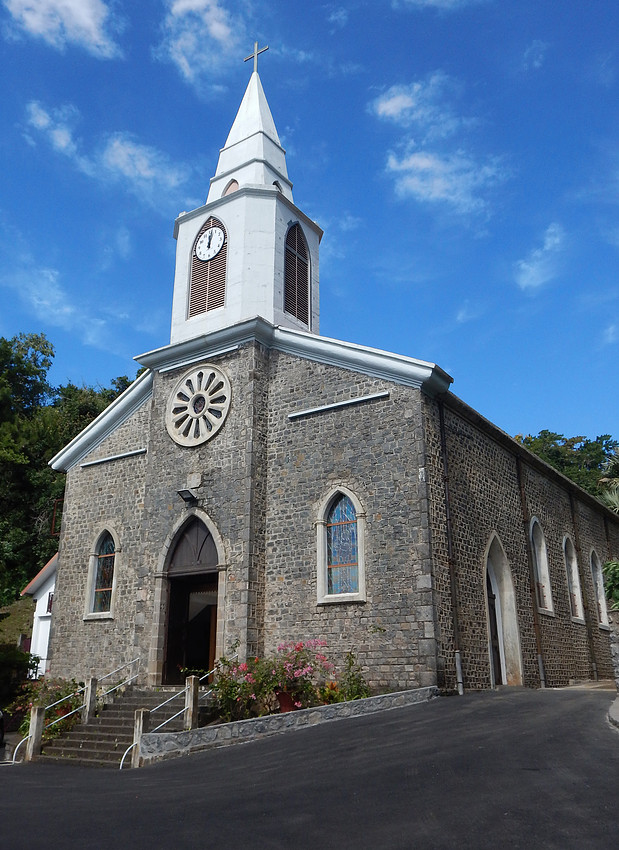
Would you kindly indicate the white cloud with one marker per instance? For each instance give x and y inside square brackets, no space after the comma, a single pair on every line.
[430,168]
[422,105]
[610,335]
[534,55]
[542,264]
[141,169]
[453,179]
[466,313]
[338,18]
[437,4]
[202,38]
[87,23]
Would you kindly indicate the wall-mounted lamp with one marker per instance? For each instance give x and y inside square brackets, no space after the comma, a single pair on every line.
[188,496]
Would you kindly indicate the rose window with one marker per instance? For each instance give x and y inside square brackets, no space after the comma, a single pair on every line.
[198,406]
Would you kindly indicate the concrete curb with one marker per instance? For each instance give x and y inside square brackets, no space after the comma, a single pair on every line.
[613,713]
[156,746]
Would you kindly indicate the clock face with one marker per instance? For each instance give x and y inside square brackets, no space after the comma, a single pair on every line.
[210,243]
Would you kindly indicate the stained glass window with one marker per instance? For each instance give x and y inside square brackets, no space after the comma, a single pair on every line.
[342,549]
[102,599]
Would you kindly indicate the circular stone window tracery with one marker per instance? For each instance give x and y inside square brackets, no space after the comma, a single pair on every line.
[198,406]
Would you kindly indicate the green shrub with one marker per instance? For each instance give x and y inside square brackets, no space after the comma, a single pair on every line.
[46,691]
[611,583]
[15,667]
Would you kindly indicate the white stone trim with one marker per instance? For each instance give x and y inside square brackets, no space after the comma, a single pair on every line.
[496,566]
[93,561]
[598,588]
[573,579]
[358,400]
[113,457]
[539,554]
[106,422]
[322,597]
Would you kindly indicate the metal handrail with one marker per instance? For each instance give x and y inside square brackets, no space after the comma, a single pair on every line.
[174,716]
[127,751]
[82,705]
[23,741]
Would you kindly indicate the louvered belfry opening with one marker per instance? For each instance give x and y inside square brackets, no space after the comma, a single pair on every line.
[207,290]
[296,276]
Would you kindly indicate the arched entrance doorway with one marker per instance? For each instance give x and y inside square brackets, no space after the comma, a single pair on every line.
[503,634]
[192,606]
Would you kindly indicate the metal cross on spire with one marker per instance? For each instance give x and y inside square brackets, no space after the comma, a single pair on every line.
[255,54]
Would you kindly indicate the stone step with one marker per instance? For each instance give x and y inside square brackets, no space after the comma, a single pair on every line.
[68,751]
[81,761]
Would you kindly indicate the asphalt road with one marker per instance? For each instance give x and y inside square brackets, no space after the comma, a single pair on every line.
[513,768]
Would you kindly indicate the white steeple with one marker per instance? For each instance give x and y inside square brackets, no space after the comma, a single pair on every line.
[249,251]
[253,153]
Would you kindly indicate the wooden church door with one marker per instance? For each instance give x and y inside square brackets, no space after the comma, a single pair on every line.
[192,604]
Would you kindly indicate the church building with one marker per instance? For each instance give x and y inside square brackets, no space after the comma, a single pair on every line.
[261,483]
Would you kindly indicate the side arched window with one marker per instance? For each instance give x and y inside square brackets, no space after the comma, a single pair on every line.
[341,574]
[296,275]
[103,575]
[573,580]
[540,564]
[598,587]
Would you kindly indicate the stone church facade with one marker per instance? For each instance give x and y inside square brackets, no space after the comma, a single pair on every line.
[259,483]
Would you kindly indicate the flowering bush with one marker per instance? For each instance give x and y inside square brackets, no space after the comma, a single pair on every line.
[45,691]
[299,670]
[243,689]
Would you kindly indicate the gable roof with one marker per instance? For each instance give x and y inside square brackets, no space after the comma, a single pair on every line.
[41,577]
[408,371]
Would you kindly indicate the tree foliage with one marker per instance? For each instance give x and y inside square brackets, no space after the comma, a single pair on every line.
[36,421]
[582,460]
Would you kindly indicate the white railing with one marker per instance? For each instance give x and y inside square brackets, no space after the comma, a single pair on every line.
[85,706]
[183,692]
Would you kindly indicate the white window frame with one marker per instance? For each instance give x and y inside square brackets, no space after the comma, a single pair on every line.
[574,591]
[323,597]
[93,562]
[597,575]
[540,567]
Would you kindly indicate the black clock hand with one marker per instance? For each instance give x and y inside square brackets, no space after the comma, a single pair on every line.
[210,236]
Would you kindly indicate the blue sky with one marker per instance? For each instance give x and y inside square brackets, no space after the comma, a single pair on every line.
[462,157]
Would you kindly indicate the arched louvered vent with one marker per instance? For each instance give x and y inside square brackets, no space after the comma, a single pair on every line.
[207,289]
[296,275]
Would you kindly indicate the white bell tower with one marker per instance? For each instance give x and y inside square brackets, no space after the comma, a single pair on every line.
[249,251]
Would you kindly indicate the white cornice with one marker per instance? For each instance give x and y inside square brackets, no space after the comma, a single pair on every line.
[256,191]
[359,358]
[428,377]
[118,412]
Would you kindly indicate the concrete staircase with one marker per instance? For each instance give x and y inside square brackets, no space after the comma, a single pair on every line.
[104,740]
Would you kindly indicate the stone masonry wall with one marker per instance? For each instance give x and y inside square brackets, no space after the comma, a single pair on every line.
[486,500]
[106,496]
[376,450]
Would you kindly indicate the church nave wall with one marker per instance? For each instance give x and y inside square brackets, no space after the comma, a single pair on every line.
[374,450]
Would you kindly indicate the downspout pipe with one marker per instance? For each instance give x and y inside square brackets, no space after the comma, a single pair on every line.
[532,580]
[450,552]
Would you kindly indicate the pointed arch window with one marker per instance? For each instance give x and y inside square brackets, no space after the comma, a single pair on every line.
[341,573]
[573,580]
[296,275]
[540,566]
[102,574]
[598,587]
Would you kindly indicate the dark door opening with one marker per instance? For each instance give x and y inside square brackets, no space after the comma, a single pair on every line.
[495,648]
[192,604]
[192,627]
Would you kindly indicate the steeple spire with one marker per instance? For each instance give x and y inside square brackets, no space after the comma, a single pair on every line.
[253,154]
